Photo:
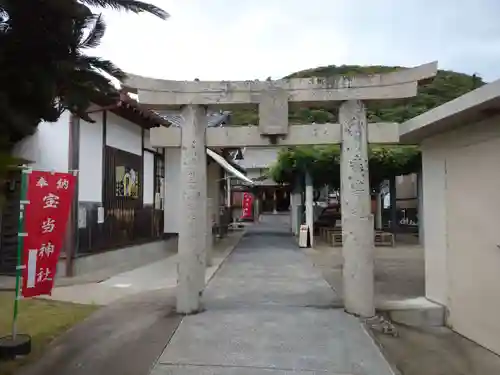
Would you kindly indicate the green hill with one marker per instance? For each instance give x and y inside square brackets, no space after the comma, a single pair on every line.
[447,85]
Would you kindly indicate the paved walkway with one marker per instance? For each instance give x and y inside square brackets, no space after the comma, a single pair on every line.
[269,311]
[158,275]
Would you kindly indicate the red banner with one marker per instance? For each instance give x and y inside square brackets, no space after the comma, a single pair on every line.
[247,205]
[46,212]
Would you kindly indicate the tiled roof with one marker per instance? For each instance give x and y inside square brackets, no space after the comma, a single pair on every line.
[214,119]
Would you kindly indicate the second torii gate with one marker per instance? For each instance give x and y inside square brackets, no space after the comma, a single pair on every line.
[273,99]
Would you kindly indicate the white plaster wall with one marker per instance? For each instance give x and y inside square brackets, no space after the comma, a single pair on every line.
[48,148]
[172,189]
[147,141]
[259,157]
[461,204]
[434,207]
[435,151]
[149,177]
[213,191]
[123,134]
[253,173]
[473,183]
[406,186]
[90,160]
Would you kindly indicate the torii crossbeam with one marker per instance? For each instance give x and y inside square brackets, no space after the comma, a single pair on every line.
[273,99]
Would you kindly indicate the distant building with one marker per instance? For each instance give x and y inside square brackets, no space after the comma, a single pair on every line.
[256,161]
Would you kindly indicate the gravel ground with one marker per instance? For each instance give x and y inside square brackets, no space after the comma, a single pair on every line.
[399,273]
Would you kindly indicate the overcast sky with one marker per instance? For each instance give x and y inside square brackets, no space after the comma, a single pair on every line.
[240,39]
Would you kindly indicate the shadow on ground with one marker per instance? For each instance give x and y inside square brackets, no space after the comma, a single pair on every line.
[437,351]
[125,338]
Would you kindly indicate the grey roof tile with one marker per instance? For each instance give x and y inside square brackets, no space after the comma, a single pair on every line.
[214,119]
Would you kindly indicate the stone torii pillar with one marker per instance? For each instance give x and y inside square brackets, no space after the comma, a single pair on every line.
[194,210]
[357,219]
[273,99]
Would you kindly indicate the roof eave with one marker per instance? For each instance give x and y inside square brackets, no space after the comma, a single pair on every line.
[471,107]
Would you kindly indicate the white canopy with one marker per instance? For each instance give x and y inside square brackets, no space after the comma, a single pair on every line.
[228,167]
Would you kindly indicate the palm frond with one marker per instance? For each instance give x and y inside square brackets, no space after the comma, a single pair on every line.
[4,19]
[94,37]
[92,62]
[130,6]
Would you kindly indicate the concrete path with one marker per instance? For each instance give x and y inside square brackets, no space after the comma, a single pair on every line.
[159,275]
[269,311]
[127,336]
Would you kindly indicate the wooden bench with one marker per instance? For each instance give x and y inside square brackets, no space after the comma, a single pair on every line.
[325,233]
[384,239]
[380,239]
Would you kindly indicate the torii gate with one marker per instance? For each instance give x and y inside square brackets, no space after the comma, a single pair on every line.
[273,99]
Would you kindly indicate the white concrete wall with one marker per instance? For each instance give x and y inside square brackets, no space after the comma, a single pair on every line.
[259,157]
[127,136]
[406,186]
[172,189]
[48,148]
[435,151]
[147,141]
[90,160]
[461,217]
[434,207]
[149,178]
[123,134]
[213,192]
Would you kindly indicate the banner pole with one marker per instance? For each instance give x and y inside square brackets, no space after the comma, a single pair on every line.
[20,242]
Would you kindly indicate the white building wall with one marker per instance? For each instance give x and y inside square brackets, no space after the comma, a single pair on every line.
[213,190]
[48,148]
[435,151]
[173,194]
[149,172]
[90,160]
[147,141]
[123,134]
[259,157]
[127,136]
[434,208]
[149,178]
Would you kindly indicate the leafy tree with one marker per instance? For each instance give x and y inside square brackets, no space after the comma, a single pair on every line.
[323,163]
[447,85]
[384,162]
[43,66]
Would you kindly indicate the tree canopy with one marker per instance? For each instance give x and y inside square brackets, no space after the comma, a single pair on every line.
[384,161]
[323,163]
[44,68]
[447,85]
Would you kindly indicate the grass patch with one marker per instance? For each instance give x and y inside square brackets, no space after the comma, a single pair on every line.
[42,319]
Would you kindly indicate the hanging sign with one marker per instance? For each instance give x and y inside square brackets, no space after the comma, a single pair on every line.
[47,206]
[247,206]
